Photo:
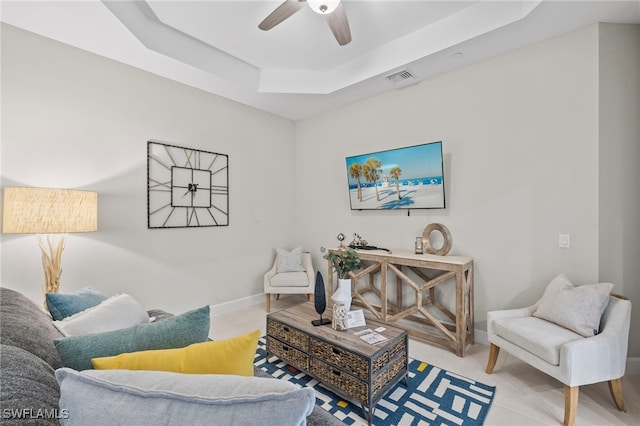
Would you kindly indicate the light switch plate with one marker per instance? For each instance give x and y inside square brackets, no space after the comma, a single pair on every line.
[564,241]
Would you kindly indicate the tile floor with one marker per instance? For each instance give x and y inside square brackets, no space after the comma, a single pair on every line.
[524,396]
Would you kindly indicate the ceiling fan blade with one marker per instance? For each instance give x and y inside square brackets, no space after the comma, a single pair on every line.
[282,12]
[339,25]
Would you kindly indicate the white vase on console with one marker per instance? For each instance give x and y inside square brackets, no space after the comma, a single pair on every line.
[342,295]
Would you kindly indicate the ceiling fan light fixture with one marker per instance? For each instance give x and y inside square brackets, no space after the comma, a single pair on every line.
[323,7]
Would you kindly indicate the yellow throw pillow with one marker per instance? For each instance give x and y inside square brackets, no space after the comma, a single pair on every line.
[229,356]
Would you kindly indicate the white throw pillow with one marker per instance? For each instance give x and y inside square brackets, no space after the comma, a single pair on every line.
[290,261]
[115,313]
[577,308]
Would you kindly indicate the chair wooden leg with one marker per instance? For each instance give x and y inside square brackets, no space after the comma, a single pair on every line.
[493,357]
[310,297]
[570,404]
[278,296]
[268,302]
[615,387]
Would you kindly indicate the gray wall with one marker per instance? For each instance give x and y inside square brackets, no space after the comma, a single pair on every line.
[520,139]
[74,119]
[533,140]
[524,162]
[619,159]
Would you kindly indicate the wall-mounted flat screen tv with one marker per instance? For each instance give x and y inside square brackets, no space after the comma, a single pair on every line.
[402,178]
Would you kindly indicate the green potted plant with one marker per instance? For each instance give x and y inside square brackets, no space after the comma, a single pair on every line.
[344,260]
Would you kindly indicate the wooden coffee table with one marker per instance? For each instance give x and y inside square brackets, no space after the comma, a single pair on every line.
[340,360]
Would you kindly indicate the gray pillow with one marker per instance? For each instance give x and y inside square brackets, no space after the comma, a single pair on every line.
[62,305]
[174,332]
[29,389]
[577,308]
[27,326]
[111,397]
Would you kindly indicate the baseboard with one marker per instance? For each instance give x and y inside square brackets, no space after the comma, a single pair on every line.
[234,305]
[480,336]
[633,366]
[633,363]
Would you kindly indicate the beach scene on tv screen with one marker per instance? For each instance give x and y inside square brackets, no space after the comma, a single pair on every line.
[409,178]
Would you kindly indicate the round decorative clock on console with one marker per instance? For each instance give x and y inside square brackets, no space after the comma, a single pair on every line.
[186,187]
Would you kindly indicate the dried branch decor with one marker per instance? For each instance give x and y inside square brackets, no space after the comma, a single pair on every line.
[51,261]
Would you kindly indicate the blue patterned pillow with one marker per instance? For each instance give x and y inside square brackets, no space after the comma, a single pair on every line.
[174,332]
[62,305]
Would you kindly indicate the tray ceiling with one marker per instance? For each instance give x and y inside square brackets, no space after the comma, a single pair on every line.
[297,69]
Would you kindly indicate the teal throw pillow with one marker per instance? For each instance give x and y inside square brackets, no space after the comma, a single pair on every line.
[174,332]
[62,305]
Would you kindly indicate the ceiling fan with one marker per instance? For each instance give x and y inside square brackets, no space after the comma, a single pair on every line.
[331,9]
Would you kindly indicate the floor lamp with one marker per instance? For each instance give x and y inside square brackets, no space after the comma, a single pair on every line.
[46,212]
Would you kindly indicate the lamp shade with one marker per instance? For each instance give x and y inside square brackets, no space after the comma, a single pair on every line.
[49,211]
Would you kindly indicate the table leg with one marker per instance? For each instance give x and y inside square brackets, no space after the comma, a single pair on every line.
[405,379]
[367,413]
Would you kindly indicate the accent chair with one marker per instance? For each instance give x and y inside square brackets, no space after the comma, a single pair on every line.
[278,281]
[571,358]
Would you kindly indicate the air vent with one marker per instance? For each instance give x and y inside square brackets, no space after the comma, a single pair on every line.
[401,77]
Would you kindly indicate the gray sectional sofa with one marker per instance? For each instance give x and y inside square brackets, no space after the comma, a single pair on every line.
[29,392]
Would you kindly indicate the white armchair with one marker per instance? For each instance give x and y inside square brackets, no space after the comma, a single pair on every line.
[297,282]
[571,358]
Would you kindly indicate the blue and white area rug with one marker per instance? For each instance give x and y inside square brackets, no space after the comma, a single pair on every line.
[434,396]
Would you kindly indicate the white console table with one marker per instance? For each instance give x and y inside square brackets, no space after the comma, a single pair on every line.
[428,271]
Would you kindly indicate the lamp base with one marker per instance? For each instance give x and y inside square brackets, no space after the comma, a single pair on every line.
[51,260]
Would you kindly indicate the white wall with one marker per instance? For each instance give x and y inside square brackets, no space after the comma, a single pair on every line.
[520,137]
[74,119]
[619,158]
[531,139]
